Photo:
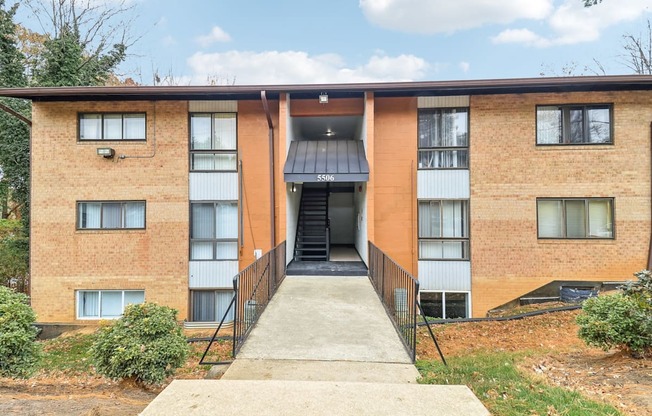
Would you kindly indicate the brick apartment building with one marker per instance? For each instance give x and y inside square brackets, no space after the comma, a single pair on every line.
[484,190]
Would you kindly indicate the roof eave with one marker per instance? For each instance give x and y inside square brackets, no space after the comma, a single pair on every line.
[240,92]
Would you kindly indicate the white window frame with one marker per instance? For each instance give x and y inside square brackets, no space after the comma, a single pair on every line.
[78,295]
[443,300]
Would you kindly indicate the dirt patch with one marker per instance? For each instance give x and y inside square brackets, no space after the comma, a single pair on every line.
[65,395]
[71,393]
[559,357]
[617,378]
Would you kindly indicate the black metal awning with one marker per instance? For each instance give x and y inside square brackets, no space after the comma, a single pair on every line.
[326,161]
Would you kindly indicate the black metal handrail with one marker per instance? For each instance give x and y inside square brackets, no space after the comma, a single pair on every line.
[398,291]
[253,288]
[256,285]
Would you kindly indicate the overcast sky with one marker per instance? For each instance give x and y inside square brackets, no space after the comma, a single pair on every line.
[316,41]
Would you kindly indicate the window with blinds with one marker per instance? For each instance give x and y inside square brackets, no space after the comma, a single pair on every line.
[112,126]
[214,230]
[106,304]
[443,140]
[575,218]
[443,229]
[574,124]
[94,215]
[213,142]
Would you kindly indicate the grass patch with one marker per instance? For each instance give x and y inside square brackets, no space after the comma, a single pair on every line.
[70,355]
[506,391]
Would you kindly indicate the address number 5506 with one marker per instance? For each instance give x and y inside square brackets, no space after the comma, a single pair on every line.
[325,178]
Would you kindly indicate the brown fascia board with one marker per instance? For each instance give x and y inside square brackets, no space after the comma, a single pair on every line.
[386,89]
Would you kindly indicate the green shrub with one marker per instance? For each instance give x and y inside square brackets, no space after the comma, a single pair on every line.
[145,345]
[19,352]
[616,321]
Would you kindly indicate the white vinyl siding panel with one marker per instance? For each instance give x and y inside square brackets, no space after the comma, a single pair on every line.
[213,106]
[443,184]
[212,274]
[445,275]
[218,186]
[443,102]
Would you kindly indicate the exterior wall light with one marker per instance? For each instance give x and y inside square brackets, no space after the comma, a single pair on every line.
[106,152]
[323,98]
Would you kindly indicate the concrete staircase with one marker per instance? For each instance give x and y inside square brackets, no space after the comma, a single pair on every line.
[324,346]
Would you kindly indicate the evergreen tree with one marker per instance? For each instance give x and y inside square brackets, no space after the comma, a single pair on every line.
[14,152]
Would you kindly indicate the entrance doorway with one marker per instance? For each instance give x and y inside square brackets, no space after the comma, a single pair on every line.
[326,231]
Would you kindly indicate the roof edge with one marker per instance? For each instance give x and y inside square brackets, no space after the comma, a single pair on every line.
[407,88]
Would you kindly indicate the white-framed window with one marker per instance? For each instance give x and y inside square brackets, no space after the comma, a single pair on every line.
[443,138]
[574,124]
[213,142]
[446,304]
[112,126]
[211,305]
[575,218]
[443,229]
[112,215]
[106,304]
[214,230]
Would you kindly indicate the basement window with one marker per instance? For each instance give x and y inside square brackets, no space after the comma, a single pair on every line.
[106,304]
[445,305]
[211,305]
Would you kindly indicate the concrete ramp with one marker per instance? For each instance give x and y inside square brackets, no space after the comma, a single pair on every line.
[297,398]
[323,346]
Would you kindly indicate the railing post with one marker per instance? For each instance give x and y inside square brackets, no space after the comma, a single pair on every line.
[414,323]
[235,314]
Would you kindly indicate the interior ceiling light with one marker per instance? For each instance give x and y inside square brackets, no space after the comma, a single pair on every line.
[329,133]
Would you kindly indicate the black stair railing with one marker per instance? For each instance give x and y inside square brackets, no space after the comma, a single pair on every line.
[398,291]
[253,288]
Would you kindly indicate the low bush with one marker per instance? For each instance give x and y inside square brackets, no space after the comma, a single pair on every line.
[622,320]
[19,351]
[145,345]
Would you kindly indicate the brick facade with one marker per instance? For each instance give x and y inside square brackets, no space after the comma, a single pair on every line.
[64,171]
[507,173]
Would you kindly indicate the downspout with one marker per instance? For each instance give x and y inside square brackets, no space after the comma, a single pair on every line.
[649,254]
[272,199]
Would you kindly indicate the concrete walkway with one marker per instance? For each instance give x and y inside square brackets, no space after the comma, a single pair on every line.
[323,346]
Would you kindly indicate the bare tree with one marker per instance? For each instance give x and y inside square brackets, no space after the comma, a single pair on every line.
[638,51]
[101,27]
